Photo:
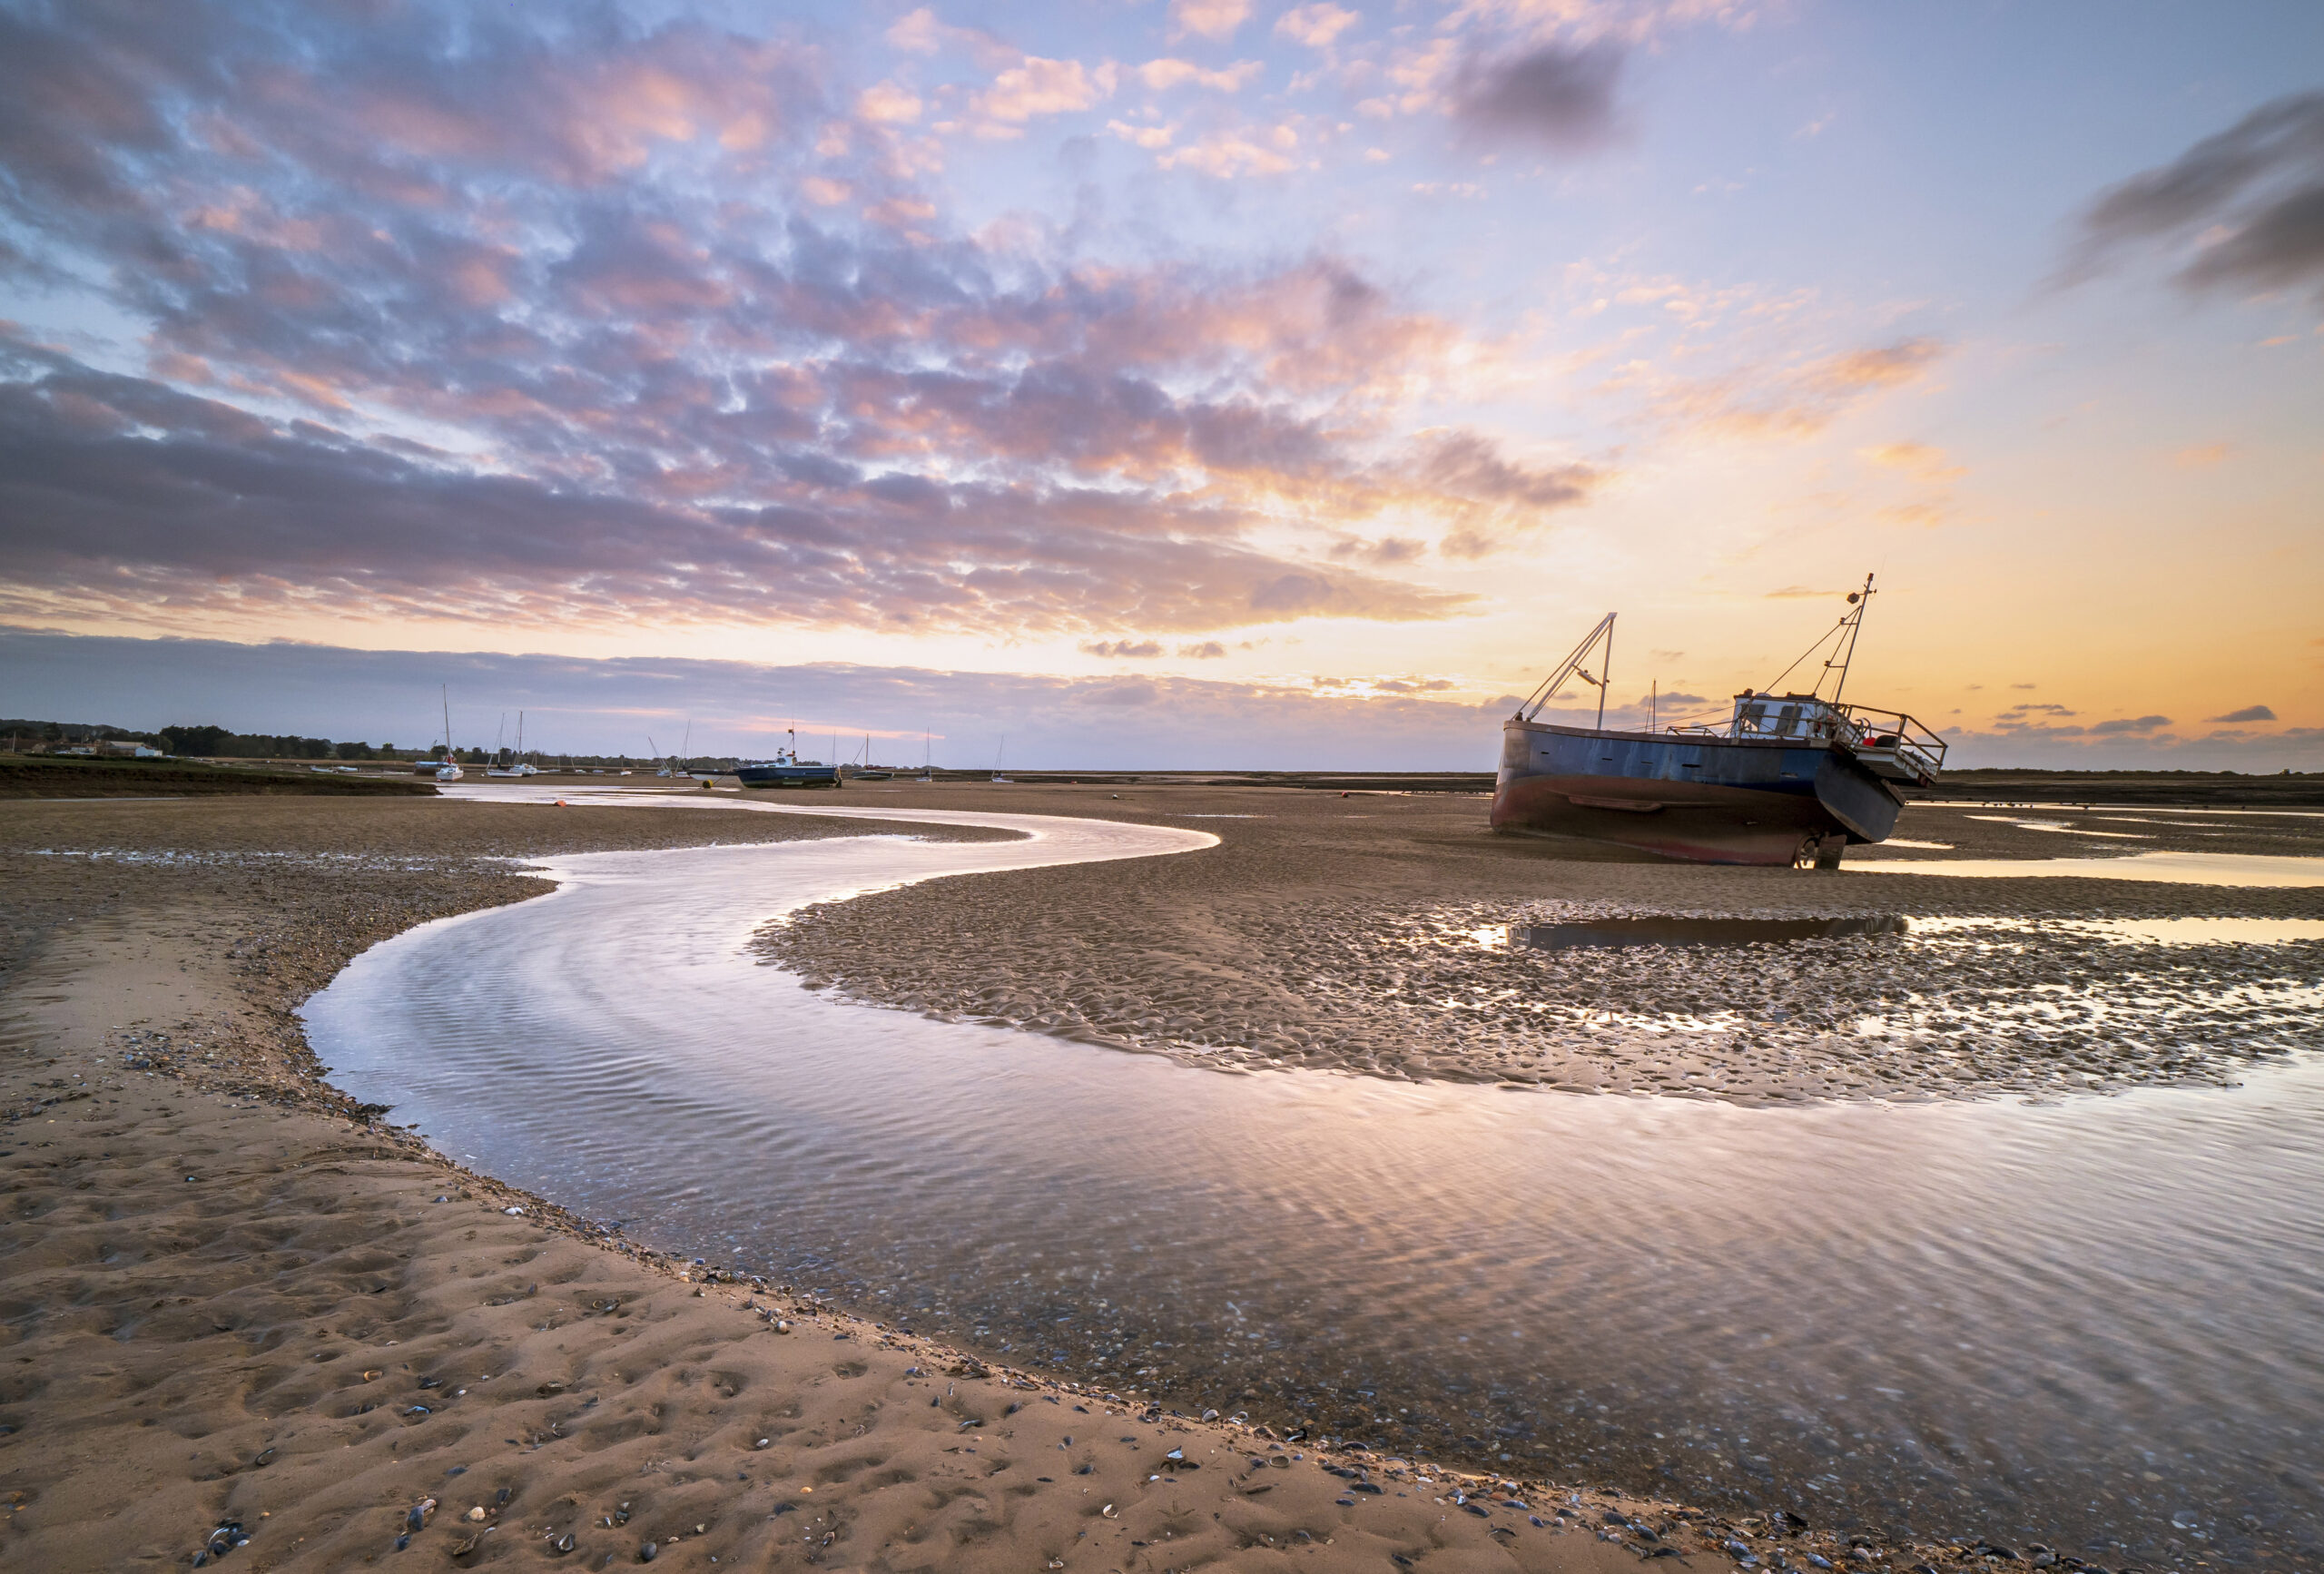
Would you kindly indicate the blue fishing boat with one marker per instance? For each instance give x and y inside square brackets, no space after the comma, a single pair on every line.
[1788,778]
[788,770]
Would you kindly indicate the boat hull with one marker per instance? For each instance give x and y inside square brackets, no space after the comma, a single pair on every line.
[1704,800]
[789,775]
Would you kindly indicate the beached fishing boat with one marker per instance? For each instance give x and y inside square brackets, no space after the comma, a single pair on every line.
[788,770]
[1786,778]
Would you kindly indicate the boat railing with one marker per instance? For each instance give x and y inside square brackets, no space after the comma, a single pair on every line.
[1894,735]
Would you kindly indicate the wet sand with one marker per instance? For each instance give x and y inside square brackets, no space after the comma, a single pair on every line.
[1371,934]
[235,1303]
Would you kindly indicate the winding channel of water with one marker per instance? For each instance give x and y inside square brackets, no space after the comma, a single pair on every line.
[2099,1323]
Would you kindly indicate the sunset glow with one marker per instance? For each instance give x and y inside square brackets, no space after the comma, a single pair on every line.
[1266,382]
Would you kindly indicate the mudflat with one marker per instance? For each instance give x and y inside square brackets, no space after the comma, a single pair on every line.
[1388,935]
[242,1318]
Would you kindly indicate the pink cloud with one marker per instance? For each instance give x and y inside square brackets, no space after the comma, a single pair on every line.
[1315,26]
[1036,86]
[1216,20]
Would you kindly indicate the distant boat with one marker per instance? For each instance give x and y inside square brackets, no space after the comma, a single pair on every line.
[787,770]
[449,770]
[997,753]
[868,771]
[1791,777]
[517,766]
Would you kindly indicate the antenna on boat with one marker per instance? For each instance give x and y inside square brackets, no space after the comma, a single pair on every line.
[1571,667]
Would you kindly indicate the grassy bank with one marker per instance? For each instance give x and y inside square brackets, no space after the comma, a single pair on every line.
[51,776]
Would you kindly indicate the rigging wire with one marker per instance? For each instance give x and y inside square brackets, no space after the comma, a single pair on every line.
[1821,640]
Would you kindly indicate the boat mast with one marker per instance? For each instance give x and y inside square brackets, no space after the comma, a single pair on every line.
[1572,666]
[1606,675]
[1861,600]
[448,722]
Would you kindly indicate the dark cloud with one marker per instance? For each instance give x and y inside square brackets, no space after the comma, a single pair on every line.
[2250,201]
[2248,714]
[1134,650]
[1559,95]
[2129,724]
[1208,650]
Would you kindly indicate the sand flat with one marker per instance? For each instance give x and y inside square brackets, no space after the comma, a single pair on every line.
[232,1297]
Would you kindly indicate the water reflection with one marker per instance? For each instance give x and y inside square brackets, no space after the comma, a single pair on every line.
[2067,1322]
[2242,869]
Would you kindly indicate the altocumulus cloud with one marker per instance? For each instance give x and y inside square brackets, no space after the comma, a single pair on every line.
[547,321]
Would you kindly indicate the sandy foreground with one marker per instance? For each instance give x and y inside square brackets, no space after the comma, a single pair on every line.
[242,1320]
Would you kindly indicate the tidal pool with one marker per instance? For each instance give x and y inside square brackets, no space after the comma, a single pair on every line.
[2097,1323]
[1658,930]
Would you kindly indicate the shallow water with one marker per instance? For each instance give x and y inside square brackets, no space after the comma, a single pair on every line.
[2157,931]
[1701,931]
[2070,1323]
[2243,869]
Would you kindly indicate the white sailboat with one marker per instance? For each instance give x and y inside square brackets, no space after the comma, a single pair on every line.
[451,770]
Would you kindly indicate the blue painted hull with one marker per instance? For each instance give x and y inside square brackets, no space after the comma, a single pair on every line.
[1702,798]
[770,775]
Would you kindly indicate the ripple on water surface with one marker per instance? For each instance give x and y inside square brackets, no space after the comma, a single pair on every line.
[2074,1321]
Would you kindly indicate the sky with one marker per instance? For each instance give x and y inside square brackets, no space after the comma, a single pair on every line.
[1203,382]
